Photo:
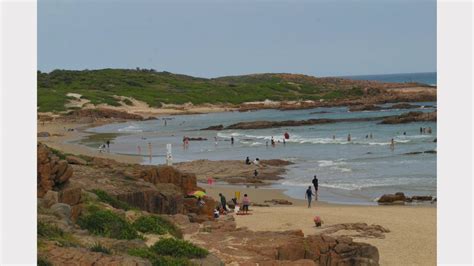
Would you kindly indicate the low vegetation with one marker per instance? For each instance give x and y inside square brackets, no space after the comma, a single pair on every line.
[170,251]
[46,231]
[97,247]
[155,88]
[156,225]
[107,223]
[178,248]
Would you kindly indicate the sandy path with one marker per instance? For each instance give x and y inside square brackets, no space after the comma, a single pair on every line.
[412,237]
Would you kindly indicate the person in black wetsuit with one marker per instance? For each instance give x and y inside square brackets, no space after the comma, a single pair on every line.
[315,184]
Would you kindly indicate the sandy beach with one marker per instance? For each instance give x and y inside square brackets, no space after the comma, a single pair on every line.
[412,236]
[62,140]
[411,240]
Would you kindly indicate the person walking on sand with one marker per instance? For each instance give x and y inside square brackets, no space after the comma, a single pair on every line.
[316,186]
[223,202]
[309,195]
[245,203]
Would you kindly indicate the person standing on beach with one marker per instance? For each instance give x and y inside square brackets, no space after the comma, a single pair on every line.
[245,203]
[309,195]
[223,202]
[316,186]
[108,144]
[247,160]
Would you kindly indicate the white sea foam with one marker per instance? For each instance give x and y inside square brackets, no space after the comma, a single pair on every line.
[131,128]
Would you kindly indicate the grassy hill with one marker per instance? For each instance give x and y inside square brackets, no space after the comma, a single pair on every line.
[155,88]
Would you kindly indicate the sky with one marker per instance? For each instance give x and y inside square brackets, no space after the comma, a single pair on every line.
[221,38]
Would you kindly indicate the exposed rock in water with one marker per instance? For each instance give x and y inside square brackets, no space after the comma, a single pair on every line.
[197,139]
[404,106]
[295,123]
[411,117]
[367,107]
[218,127]
[51,171]
[397,198]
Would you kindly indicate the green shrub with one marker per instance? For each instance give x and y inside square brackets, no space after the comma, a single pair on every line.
[157,260]
[107,223]
[157,225]
[114,202]
[97,247]
[51,232]
[43,262]
[178,248]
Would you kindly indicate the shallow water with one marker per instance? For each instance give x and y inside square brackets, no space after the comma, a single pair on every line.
[349,172]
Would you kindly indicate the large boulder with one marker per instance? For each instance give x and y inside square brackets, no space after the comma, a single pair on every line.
[397,198]
[51,171]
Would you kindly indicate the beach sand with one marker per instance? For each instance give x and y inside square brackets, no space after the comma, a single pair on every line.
[62,140]
[412,236]
[411,240]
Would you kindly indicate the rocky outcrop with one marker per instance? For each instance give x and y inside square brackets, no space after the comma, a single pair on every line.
[411,117]
[397,198]
[295,123]
[218,127]
[52,172]
[168,174]
[366,107]
[244,247]
[400,199]
[81,256]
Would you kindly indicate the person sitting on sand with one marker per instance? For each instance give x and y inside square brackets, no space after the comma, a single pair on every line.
[216,211]
[256,161]
[245,203]
[247,160]
[309,195]
[223,201]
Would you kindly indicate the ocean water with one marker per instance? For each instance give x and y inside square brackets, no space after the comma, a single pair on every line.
[429,78]
[355,172]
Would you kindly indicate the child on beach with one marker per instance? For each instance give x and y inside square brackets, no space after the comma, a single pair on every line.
[245,203]
[309,195]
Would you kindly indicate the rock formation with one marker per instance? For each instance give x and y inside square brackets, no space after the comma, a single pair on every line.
[51,170]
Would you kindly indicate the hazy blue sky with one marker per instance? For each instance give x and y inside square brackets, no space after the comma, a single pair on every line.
[213,38]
